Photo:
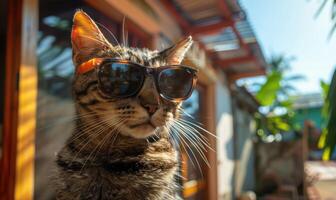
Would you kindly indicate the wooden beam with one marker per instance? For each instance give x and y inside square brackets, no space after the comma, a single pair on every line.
[208,52]
[236,76]
[241,40]
[239,37]
[226,62]
[176,15]
[227,14]
[211,28]
[132,13]
[224,7]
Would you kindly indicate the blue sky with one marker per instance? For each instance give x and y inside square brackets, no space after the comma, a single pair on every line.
[289,27]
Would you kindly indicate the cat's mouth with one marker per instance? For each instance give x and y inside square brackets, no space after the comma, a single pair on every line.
[147,124]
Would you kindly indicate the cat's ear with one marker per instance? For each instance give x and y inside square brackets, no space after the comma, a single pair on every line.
[175,54]
[86,38]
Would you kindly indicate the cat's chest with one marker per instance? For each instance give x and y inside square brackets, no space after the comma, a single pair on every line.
[126,182]
[122,174]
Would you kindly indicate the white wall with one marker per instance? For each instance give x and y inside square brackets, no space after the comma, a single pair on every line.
[245,175]
[224,122]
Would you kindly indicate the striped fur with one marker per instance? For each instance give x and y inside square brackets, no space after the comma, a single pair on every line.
[108,155]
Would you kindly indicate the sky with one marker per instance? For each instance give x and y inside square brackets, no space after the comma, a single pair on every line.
[289,27]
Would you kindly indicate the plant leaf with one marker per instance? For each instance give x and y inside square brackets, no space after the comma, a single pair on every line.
[268,91]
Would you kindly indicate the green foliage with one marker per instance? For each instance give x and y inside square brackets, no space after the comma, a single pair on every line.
[325,89]
[333,13]
[328,138]
[268,92]
[274,95]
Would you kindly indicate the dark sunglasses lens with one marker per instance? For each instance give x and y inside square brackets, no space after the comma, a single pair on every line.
[120,79]
[176,83]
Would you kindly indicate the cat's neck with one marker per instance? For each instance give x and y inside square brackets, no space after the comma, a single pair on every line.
[104,148]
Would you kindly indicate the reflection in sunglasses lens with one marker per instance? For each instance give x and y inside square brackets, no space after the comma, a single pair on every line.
[176,83]
[120,79]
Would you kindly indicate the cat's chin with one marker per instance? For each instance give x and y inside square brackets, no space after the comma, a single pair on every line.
[140,131]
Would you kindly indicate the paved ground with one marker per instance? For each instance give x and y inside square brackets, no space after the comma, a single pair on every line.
[326,189]
[325,185]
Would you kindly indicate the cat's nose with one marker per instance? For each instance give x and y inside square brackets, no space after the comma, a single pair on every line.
[148,97]
[151,108]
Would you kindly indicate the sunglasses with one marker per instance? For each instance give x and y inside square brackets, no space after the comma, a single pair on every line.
[123,79]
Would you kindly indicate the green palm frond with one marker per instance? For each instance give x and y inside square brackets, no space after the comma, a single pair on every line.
[319,10]
[330,133]
[268,91]
[332,17]
[295,77]
[274,95]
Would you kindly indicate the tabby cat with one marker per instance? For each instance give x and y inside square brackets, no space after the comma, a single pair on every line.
[126,100]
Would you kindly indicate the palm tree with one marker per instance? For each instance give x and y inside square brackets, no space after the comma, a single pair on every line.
[328,138]
[278,87]
[333,13]
[275,95]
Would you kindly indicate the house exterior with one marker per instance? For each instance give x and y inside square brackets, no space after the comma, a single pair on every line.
[308,107]
[36,71]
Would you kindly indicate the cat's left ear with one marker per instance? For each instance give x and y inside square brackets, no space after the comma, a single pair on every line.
[86,38]
[175,54]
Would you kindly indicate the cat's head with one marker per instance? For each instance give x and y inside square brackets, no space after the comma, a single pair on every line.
[138,116]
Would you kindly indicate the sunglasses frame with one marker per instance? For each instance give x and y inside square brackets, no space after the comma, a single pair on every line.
[97,63]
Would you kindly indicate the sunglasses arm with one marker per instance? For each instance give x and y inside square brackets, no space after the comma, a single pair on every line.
[89,65]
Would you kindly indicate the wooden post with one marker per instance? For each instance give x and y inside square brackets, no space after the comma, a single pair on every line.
[25,147]
[12,63]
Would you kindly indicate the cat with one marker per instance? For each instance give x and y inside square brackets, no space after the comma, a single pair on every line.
[108,156]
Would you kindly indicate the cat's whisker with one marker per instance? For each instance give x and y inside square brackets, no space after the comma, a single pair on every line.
[111,134]
[88,127]
[127,44]
[192,130]
[192,118]
[183,112]
[171,137]
[206,131]
[110,32]
[101,143]
[123,31]
[199,147]
[94,135]
[103,43]
[191,136]
[183,143]
[196,134]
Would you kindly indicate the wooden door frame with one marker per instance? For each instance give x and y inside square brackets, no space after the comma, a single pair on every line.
[209,108]
[208,105]
[12,61]
[17,164]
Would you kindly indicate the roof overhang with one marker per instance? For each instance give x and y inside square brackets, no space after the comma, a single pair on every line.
[223,31]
